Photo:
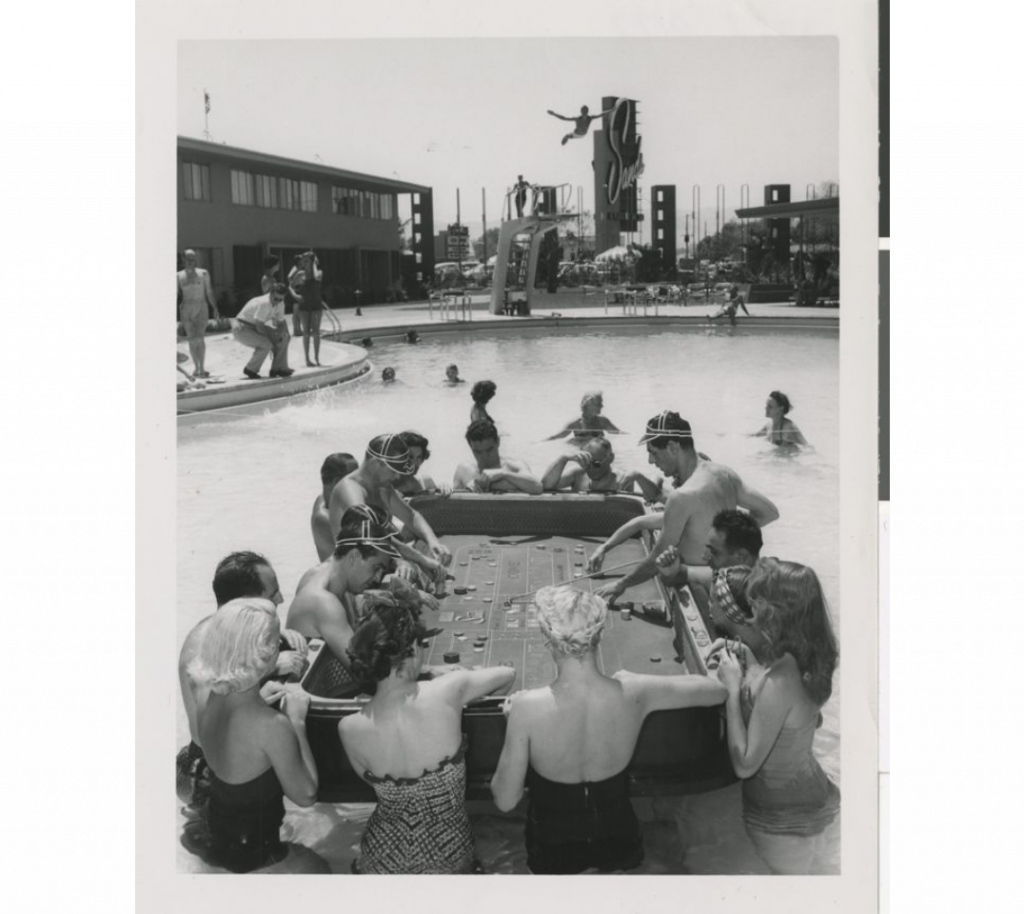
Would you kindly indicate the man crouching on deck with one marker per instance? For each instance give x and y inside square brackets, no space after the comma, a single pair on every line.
[490,472]
[388,460]
[705,489]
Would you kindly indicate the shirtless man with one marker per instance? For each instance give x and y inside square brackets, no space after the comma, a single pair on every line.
[388,460]
[582,122]
[705,489]
[324,605]
[489,471]
[593,472]
[335,468]
[240,574]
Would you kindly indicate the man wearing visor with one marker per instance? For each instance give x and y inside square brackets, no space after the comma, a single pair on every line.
[388,460]
[325,605]
[705,488]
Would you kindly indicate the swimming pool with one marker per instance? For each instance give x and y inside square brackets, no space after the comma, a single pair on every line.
[249,483]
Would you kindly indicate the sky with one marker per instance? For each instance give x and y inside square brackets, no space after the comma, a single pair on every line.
[470,113]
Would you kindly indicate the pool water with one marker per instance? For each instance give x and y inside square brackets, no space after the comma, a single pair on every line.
[249,481]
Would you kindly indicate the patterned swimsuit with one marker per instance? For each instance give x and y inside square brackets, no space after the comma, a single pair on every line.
[420,824]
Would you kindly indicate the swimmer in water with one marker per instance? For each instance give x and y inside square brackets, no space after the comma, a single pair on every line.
[582,122]
[482,393]
[779,430]
[590,422]
[388,375]
[451,375]
[335,468]
[412,337]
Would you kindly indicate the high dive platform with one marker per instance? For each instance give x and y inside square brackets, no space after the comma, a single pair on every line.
[519,242]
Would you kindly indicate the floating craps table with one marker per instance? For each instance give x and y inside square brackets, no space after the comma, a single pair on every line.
[505,548]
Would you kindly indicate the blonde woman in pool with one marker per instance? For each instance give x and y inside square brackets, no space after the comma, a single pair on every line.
[571,742]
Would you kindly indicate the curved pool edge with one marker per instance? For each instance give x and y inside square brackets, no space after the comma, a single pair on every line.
[345,363]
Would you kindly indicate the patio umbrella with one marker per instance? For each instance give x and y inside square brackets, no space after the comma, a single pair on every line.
[619,252]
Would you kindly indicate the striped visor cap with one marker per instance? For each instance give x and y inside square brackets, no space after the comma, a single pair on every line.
[667,425]
[367,533]
[392,450]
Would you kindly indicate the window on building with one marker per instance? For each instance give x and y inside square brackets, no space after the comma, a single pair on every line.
[196,180]
[242,191]
[266,191]
[307,196]
[289,194]
[344,201]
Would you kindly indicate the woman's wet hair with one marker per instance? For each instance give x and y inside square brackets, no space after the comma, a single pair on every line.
[483,391]
[570,620]
[782,400]
[592,395]
[239,646]
[792,617]
[386,636]
[415,439]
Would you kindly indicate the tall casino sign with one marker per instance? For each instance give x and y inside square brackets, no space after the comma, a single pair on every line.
[618,163]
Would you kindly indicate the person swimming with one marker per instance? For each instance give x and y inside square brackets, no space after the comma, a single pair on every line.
[590,423]
[451,374]
[388,375]
[482,393]
[779,430]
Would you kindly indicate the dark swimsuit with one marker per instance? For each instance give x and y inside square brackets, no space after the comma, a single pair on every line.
[311,300]
[242,829]
[574,827]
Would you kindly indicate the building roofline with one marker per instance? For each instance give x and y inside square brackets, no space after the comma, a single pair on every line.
[825,206]
[218,149]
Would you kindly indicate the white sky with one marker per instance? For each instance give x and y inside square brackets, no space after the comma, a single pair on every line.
[470,113]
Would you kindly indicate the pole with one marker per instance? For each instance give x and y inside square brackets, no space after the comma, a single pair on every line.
[458,226]
[483,203]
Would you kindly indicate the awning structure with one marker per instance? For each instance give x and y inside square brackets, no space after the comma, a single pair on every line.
[827,207]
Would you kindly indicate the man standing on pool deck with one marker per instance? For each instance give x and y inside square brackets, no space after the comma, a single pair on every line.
[490,472]
[387,460]
[705,489]
[195,292]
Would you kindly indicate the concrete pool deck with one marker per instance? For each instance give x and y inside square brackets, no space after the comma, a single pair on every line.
[342,361]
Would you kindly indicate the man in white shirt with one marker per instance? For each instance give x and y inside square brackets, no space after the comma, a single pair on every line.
[257,327]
